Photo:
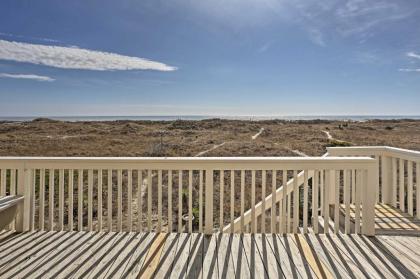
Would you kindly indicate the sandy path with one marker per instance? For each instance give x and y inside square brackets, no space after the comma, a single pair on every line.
[208,150]
[257,134]
[330,137]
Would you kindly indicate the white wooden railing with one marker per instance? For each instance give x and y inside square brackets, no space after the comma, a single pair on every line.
[397,172]
[187,194]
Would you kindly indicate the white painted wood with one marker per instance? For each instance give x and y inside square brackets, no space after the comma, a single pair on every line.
[295,202]
[315,198]
[410,196]
[109,202]
[51,200]
[369,201]
[41,199]
[60,199]
[273,201]
[90,199]
[305,202]
[242,200]
[394,182]
[401,185]
[170,221]
[337,202]
[253,219]
[376,181]
[149,199]
[119,200]
[100,199]
[159,225]
[190,197]
[3,182]
[80,200]
[70,191]
[232,200]
[33,198]
[358,185]
[221,199]
[130,200]
[286,190]
[200,202]
[418,189]
[347,174]
[327,192]
[263,195]
[139,200]
[180,201]
[289,213]
[13,182]
[209,202]
[387,187]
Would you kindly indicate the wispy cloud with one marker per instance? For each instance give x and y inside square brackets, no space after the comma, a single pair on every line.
[409,70]
[75,58]
[413,55]
[25,76]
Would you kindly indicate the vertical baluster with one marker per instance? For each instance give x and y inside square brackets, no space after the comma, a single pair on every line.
[337,202]
[273,200]
[33,197]
[305,201]
[139,200]
[159,225]
[170,201]
[347,201]
[70,213]
[90,199]
[222,193]
[200,202]
[327,191]
[2,182]
[283,218]
[109,203]
[100,184]
[315,183]
[377,188]
[130,199]
[410,188]
[41,199]
[242,200]
[80,200]
[209,201]
[418,189]
[190,201]
[289,211]
[119,200]
[51,198]
[295,202]
[180,201]
[263,194]
[358,186]
[60,199]
[253,219]
[13,182]
[149,200]
[232,201]
[394,182]
[402,185]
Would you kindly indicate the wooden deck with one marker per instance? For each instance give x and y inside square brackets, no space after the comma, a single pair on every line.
[130,255]
[390,254]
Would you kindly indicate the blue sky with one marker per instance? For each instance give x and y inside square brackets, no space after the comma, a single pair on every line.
[237,57]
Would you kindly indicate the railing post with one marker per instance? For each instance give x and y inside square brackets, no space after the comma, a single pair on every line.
[368,200]
[386,169]
[209,202]
[23,188]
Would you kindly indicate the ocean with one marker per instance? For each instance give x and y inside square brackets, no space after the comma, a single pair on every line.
[202,117]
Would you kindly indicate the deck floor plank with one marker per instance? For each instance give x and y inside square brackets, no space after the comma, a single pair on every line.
[224,256]
[269,259]
[255,261]
[180,265]
[210,260]
[164,268]
[239,259]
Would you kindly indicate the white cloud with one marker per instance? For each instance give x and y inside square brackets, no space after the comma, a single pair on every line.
[413,55]
[24,76]
[75,58]
[409,70]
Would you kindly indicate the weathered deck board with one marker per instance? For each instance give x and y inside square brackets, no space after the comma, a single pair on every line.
[186,255]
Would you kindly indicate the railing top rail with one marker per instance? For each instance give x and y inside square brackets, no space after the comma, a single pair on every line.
[248,163]
[375,150]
